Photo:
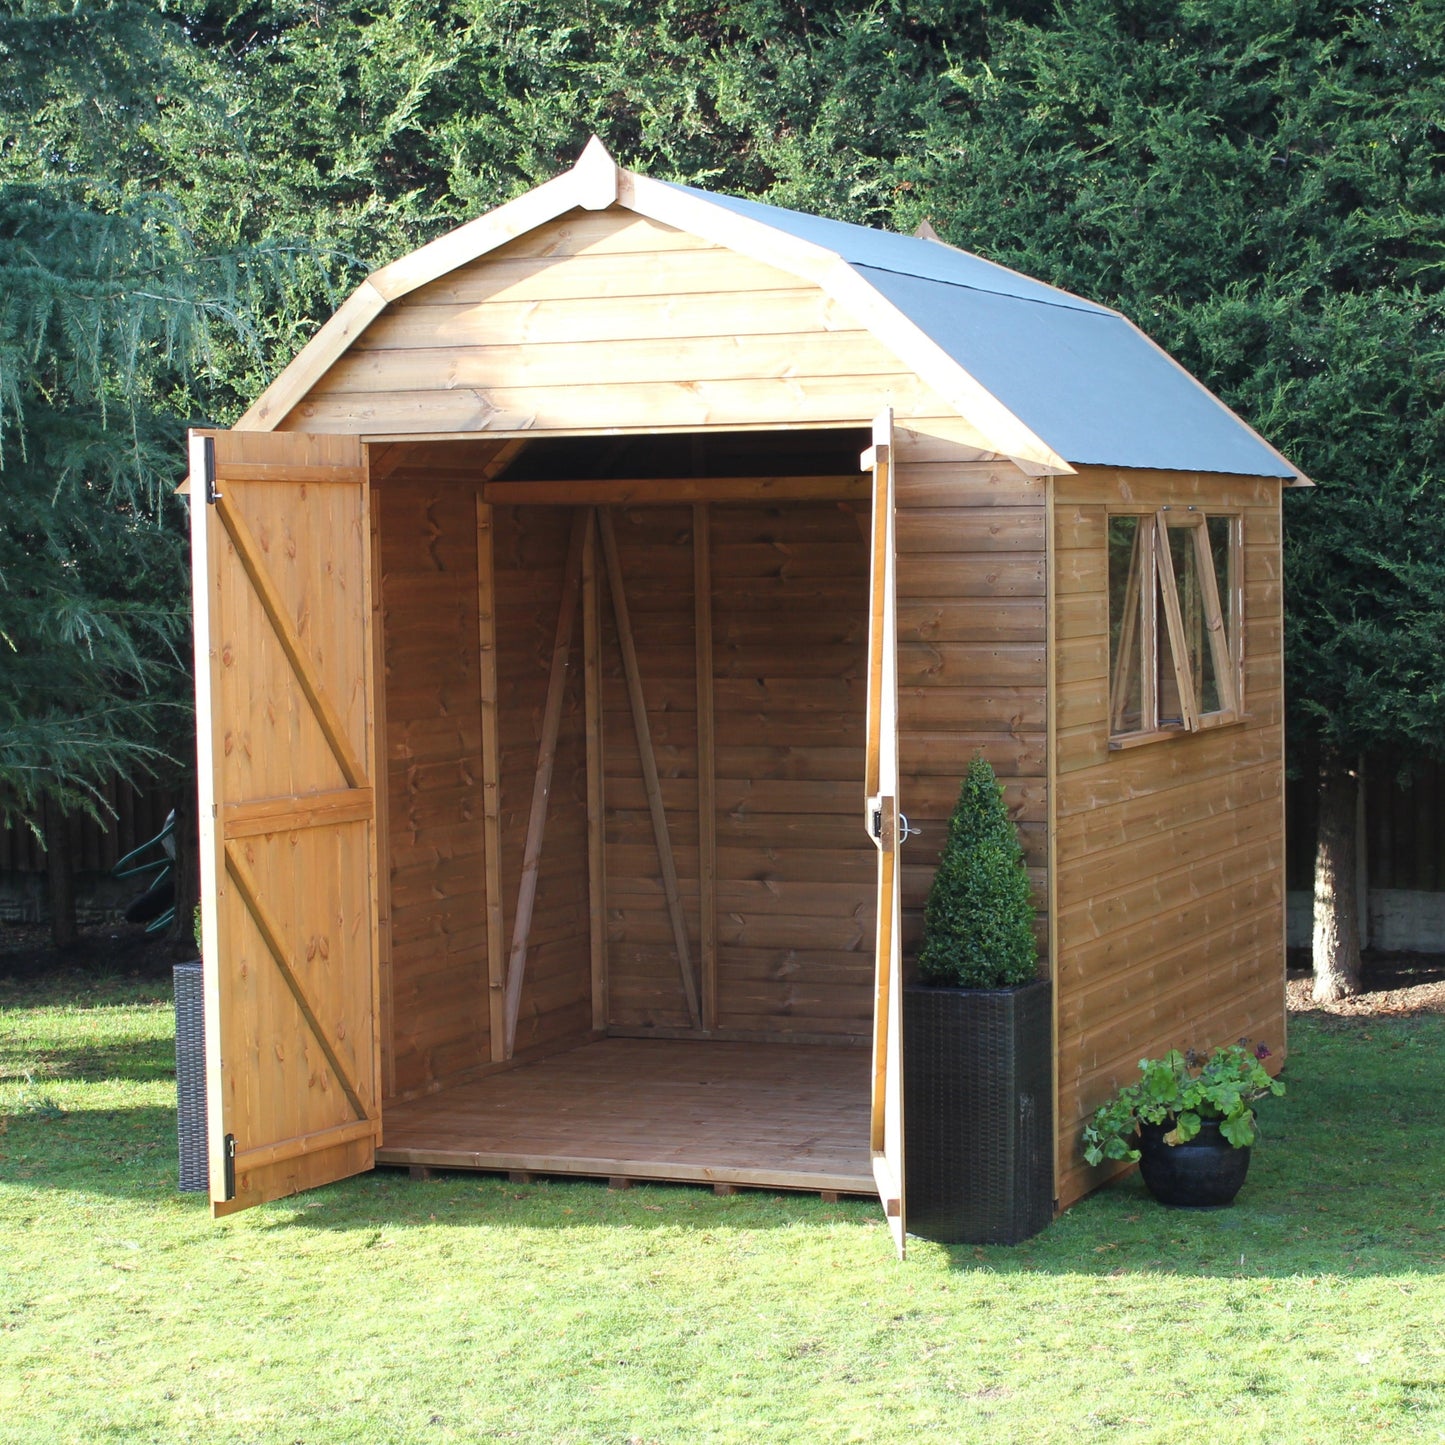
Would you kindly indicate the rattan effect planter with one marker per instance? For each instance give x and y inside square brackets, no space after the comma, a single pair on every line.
[194,1174]
[978,1112]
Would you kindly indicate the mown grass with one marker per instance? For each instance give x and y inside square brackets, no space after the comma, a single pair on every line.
[468,1309]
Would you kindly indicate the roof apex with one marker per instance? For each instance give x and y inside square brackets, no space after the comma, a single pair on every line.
[597,175]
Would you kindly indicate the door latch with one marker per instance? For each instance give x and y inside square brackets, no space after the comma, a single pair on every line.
[229,1151]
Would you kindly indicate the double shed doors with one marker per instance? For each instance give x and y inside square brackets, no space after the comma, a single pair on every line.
[286,667]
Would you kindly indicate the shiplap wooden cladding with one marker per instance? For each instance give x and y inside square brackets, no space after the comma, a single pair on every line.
[287,787]
[524,774]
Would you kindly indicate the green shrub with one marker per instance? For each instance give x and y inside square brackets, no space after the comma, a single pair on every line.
[978,923]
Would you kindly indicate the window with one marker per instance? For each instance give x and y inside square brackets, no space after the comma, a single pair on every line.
[1174,623]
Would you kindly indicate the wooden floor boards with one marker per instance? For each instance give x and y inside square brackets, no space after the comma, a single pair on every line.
[774,1116]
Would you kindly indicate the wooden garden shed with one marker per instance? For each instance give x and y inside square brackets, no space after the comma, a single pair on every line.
[578,617]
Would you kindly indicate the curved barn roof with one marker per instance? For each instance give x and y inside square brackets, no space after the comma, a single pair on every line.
[1051,379]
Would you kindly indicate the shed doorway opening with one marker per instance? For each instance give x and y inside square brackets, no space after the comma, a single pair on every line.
[627,893]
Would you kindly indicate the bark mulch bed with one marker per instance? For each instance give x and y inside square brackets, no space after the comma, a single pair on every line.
[1395,984]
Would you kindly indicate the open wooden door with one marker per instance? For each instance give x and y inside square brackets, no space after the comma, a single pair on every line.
[281,562]
[885,825]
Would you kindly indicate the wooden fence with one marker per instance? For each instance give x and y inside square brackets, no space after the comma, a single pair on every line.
[1404,840]
[95,847]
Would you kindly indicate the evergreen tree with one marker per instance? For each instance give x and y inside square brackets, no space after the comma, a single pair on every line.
[106,303]
[978,920]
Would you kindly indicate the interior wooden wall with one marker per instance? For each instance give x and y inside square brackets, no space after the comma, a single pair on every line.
[529,550]
[654,547]
[436,979]
[437,994]
[1170,855]
[797,872]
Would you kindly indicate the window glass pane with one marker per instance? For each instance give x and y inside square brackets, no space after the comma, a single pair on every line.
[1171,715]
[1219,529]
[1199,656]
[1126,694]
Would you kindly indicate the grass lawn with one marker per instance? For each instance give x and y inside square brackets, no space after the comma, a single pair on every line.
[468,1309]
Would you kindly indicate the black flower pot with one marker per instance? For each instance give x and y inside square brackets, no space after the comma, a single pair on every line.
[1204,1173]
[978,1117]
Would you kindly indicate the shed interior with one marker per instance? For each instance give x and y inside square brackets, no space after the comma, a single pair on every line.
[628,902]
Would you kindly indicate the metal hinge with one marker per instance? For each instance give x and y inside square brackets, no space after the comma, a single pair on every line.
[208,469]
[229,1150]
[877,822]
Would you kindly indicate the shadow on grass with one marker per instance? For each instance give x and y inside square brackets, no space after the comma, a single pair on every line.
[120,1063]
[1349,1179]
[1337,1225]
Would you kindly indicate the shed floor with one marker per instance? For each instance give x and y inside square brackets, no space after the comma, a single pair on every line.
[774,1116]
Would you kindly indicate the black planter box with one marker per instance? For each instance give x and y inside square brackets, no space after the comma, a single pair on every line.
[978,1112]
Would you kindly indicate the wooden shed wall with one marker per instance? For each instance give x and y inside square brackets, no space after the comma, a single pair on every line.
[654,546]
[608,320]
[797,869]
[1169,855]
[972,631]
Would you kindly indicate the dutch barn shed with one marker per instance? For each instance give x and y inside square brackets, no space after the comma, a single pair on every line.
[582,608]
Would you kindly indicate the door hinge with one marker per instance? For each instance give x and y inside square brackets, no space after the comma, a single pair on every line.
[877,826]
[229,1149]
[208,469]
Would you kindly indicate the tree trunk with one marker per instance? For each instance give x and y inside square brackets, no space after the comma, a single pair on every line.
[1337,896]
[60,877]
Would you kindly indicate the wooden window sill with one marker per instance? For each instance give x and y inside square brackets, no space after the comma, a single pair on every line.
[1121,741]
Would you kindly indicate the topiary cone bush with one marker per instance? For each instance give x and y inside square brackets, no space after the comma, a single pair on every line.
[978,923]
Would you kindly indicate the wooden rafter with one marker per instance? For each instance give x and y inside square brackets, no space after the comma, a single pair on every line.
[706,760]
[596,791]
[649,764]
[625,491]
[542,783]
[491,780]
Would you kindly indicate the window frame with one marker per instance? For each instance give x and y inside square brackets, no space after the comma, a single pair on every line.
[1143,616]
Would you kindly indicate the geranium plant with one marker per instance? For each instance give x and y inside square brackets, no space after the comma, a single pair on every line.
[1184,1090]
